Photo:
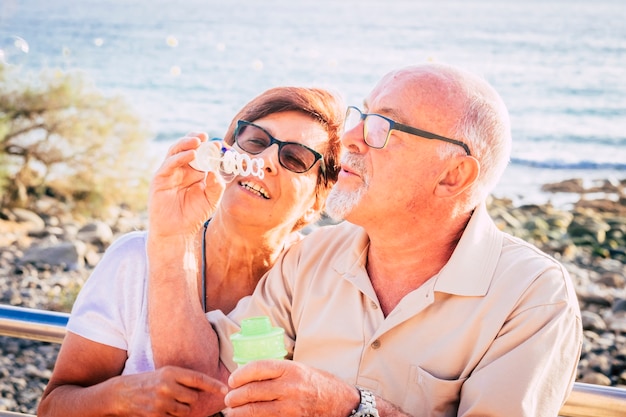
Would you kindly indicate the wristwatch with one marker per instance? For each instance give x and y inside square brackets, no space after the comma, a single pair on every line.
[367,406]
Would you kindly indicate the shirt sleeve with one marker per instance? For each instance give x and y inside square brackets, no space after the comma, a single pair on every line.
[522,372]
[110,302]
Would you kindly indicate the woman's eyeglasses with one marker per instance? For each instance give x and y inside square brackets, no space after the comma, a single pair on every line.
[377,129]
[293,156]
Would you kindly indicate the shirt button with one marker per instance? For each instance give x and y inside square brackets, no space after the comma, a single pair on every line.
[374,305]
[376,344]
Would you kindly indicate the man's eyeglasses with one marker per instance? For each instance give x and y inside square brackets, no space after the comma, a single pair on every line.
[377,129]
[293,156]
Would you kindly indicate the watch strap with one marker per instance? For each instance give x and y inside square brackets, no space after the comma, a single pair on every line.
[367,405]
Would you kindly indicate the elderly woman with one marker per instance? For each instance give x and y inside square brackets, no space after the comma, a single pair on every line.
[106,366]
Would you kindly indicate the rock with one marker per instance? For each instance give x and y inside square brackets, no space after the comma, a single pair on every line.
[26,217]
[612,279]
[593,321]
[602,205]
[619,305]
[509,220]
[67,254]
[588,226]
[97,233]
[92,257]
[617,322]
[574,185]
[594,297]
[596,378]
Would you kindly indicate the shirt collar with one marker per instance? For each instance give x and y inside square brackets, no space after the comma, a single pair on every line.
[470,269]
[468,272]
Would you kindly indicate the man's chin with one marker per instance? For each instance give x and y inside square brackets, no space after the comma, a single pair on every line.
[340,203]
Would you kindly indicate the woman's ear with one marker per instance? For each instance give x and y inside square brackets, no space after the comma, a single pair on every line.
[311,215]
[459,175]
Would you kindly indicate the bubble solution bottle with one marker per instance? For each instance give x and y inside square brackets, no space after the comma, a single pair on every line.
[258,340]
[218,157]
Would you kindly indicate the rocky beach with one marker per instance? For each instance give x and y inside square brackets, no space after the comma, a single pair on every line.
[47,254]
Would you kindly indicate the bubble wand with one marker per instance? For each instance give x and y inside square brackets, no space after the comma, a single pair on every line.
[217,157]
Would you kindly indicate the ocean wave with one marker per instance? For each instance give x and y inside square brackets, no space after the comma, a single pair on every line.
[169,137]
[569,139]
[574,165]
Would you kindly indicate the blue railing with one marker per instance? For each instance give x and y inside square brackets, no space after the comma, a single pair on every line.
[29,323]
[586,400]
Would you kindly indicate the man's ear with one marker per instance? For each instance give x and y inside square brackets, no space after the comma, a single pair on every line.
[459,175]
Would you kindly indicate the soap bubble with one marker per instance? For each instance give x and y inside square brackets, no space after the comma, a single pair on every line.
[257,65]
[172,41]
[21,44]
[14,50]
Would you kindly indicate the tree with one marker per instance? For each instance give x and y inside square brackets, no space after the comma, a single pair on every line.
[60,136]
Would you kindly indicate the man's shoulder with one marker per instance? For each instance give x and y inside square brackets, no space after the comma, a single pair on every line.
[516,249]
[531,268]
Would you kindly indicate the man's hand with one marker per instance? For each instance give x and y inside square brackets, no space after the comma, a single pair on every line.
[286,388]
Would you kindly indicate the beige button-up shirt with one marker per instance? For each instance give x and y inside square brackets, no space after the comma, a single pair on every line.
[497,332]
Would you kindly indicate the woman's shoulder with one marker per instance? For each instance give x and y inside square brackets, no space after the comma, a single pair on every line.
[129,241]
[123,262]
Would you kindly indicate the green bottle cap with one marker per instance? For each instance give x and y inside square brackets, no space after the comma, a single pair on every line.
[258,340]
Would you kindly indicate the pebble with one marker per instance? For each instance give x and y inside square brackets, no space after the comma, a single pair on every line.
[43,264]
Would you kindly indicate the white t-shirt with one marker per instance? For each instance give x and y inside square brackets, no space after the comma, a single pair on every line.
[112,306]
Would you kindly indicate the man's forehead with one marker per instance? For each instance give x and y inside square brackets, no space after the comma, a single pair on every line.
[393,97]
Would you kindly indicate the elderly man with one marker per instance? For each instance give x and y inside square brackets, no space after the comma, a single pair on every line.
[417,304]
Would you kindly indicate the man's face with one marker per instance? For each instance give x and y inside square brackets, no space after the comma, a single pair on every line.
[399,179]
[341,201]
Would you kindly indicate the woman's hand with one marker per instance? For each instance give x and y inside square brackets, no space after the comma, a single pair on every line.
[169,391]
[86,382]
[182,198]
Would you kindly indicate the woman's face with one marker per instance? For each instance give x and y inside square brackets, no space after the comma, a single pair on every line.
[282,197]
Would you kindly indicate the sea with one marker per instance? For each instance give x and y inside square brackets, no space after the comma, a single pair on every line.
[187,65]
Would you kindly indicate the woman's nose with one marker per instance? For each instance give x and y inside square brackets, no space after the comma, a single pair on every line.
[271,159]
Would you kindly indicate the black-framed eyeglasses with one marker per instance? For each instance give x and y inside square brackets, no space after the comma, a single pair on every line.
[377,129]
[293,156]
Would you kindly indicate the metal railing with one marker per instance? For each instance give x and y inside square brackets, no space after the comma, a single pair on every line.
[586,400]
[589,400]
[29,323]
